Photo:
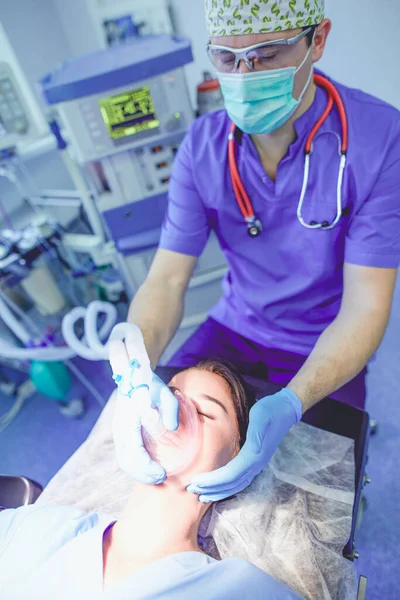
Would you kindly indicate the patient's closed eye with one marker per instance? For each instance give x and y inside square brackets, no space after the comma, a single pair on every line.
[199,412]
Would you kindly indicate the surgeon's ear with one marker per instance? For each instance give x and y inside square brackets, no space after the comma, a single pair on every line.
[320,39]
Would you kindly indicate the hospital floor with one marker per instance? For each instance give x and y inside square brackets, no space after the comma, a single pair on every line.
[40,440]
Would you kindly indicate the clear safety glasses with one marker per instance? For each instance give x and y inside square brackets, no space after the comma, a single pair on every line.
[268,55]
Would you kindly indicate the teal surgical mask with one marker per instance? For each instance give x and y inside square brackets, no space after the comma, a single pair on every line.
[262,101]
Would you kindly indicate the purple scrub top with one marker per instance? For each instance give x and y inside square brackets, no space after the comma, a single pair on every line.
[285,287]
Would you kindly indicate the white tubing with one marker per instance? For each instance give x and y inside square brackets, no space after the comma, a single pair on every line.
[90,346]
[93,337]
[70,336]
[49,354]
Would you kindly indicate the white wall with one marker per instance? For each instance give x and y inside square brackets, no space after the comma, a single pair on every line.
[364,47]
[82,35]
[188,18]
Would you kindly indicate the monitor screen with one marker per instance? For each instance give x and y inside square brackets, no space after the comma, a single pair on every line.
[129,113]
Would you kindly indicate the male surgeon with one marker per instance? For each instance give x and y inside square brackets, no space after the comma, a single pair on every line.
[308,294]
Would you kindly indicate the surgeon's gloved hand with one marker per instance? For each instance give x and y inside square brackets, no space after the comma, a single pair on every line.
[131,454]
[270,420]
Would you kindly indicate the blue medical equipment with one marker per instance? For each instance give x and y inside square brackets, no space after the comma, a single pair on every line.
[14,122]
[18,123]
[128,154]
[51,379]
[125,111]
[121,29]
[124,97]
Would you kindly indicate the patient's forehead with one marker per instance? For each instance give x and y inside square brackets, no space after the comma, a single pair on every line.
[194,382]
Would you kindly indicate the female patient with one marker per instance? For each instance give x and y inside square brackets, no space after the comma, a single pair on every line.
[152,551]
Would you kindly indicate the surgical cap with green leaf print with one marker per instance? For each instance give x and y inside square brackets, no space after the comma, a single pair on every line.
[242,17]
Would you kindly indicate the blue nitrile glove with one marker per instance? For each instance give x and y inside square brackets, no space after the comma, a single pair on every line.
[270,420]
[131,454]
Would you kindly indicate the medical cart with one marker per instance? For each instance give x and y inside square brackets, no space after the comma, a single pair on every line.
[124,111]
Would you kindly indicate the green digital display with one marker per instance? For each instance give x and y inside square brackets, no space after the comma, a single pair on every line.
[129,113]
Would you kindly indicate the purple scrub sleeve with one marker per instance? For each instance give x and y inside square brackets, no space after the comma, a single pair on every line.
[284,288]
[373,239]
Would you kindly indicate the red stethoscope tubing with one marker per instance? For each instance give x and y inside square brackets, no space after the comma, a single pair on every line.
[238,187]
[334,97]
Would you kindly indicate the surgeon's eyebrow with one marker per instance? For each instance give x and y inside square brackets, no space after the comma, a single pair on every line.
[211,399]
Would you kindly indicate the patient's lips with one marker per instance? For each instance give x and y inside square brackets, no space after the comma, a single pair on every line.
[177,450]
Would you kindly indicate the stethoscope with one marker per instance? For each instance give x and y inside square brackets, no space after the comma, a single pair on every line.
[254,225]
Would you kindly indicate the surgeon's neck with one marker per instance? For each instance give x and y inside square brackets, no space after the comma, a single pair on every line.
[273,147]
[157,521]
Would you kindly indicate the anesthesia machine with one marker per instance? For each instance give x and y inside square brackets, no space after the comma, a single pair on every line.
[124,111]
[118,116]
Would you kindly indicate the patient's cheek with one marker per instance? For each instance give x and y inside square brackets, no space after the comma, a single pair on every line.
[225,455]
[219,447]
[218,451]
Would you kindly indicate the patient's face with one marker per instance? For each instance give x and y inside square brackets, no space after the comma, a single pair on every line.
[218,422]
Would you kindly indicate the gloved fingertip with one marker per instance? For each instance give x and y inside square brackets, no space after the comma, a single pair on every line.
[205,500]
[191,489]
[170,418]
[169,408]
[160,481]
[156,473]
[172,425]
[198,484]
[151,480]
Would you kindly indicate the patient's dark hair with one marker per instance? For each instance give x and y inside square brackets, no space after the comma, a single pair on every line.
[243,395]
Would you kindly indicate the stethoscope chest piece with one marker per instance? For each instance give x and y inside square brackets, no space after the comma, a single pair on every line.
[254,228]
